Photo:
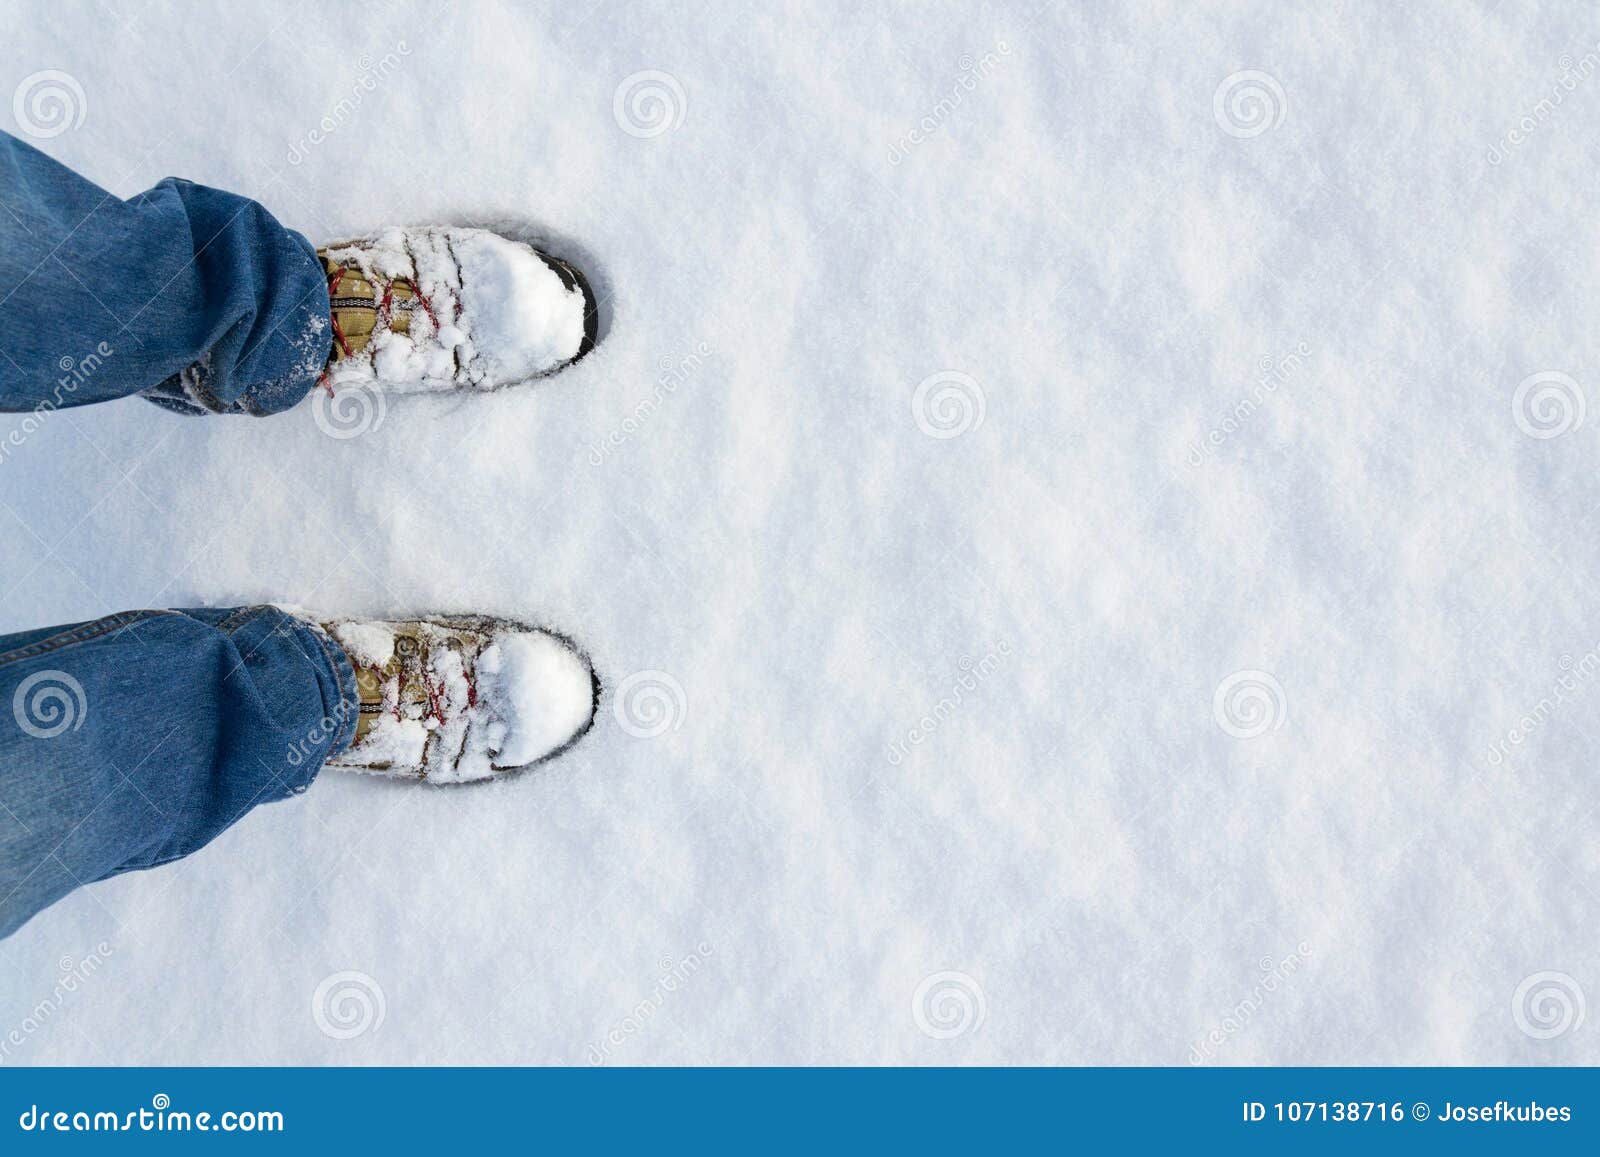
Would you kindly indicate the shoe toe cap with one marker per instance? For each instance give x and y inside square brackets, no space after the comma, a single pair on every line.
[544,693]
[572,277]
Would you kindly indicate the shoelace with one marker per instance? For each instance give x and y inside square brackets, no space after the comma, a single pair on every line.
[385,309]
[436,693]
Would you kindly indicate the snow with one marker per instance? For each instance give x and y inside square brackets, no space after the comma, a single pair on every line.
[539,692]
[524,321]
[922,755]
[369,643]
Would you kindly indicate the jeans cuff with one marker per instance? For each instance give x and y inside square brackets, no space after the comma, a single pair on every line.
[348,706]
[300,347]
[341,701]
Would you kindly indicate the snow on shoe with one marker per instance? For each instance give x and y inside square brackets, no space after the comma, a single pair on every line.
[456,699]
[444,308]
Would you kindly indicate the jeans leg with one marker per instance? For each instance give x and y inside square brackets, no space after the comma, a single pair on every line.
[195,297]
[139,738]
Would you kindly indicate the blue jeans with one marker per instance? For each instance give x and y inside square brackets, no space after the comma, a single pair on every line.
[138,738]
[195,298]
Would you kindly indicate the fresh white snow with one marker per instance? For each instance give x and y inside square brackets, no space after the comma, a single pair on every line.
[524,321]
[1076,568]
[367,642]
[538,693]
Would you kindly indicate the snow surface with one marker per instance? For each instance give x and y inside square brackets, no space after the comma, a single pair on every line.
[1073,569]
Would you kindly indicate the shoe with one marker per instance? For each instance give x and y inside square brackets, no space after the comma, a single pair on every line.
[454,699]
[446,308]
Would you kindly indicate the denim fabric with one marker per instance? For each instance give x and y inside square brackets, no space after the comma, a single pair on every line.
[139,738]
[195,297]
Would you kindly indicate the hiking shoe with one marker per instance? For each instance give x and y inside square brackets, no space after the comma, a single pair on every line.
[446,308]
[453,699]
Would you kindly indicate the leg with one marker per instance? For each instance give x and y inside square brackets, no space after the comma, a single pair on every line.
[192,296]
[139,738]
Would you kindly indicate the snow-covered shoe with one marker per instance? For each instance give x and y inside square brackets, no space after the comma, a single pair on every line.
[446,308]
[452,699]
